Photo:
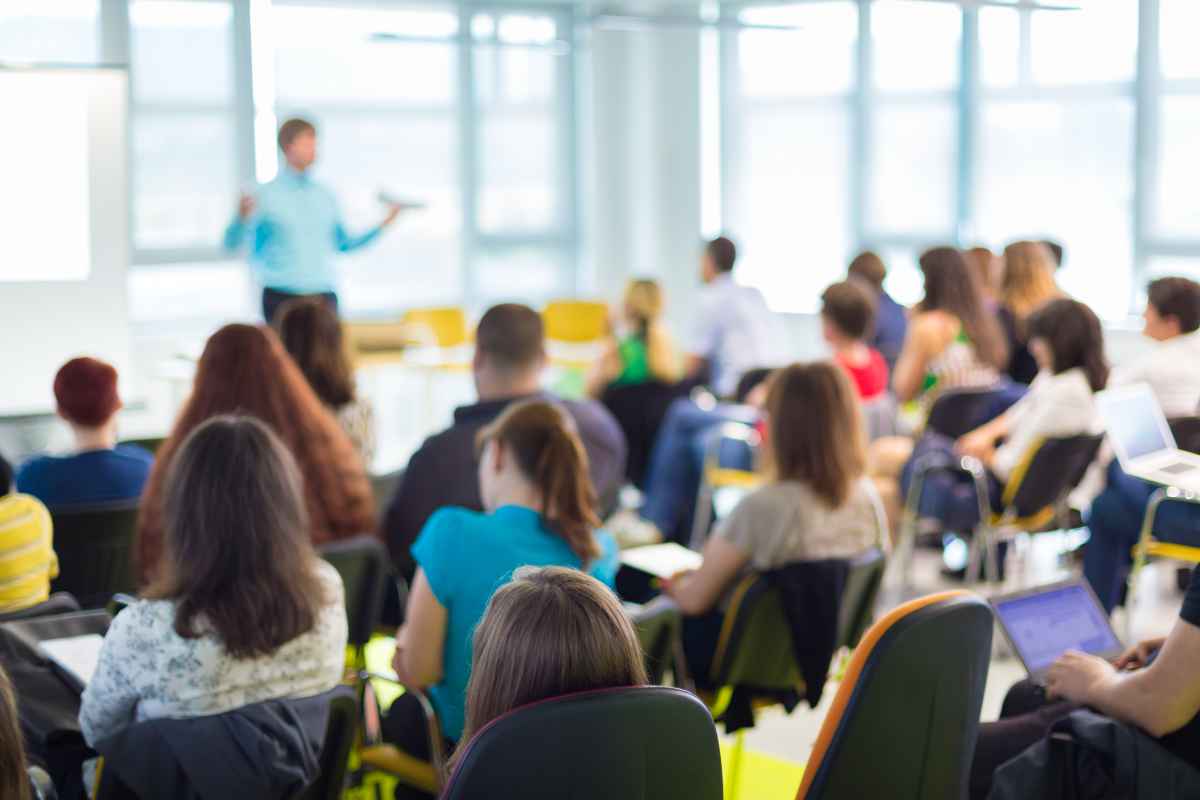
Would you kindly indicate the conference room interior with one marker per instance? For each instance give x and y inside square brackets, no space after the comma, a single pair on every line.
[550,154]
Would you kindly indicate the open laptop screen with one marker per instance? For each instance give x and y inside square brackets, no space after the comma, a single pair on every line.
[1133,423]
[1044,625]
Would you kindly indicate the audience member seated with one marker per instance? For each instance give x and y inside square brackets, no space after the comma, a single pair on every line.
[677,463]
[533,480]
[549,632]
[99,470]
[640,349]
[1028,285]
[27,559]
[16,782]
[1154,687]
[847,316]
[245,370]
[312,334]
[1066,339]
[732,331]
[891,320]
[242,610]
[1169,367]
[988,269]
[509,358]
[953,342]
[818,503]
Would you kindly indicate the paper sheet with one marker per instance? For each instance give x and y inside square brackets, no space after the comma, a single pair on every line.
[76,654]
[662,560]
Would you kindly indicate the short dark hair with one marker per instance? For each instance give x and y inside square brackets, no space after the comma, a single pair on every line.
[511,335]
[1073,333]
[239,560]
[1178,298]
[293,128]
[723,253]
[85,390]
[869,267]
[1056,250]
[6,476]
[850,308]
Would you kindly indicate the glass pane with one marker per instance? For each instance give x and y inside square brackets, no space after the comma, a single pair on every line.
[411,156]
[216,292]
[1064,172]
[518,171]
[913,174]
[345,56]
[789,209]
[1178,213]
[182,52]
[916,44]
[1094,44]
[515,75]
[817,58]
[526,275]
[999,47]
[57,31]
[1179,22]
[1170,266]
[184,178]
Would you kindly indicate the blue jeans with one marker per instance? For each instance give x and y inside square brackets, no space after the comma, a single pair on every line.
[677,464]
[947,496]
[1115,523]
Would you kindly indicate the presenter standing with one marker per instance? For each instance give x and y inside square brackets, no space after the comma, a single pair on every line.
[293,226]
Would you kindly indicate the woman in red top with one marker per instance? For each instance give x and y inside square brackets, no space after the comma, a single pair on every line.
[847,318]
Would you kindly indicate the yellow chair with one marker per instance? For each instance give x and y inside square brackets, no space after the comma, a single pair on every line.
[717,479]
[575,321]
[1150,547]
[443,327]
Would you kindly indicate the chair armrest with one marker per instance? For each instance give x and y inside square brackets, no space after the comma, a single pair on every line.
[437,750]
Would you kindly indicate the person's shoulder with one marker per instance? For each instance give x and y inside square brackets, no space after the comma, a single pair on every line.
[330,578]
[22,509]
[453,521]
[34,467]
[134,454]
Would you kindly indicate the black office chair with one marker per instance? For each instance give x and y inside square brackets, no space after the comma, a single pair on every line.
[640,409]
[57,603]
[363,564]
[95,551]
[637,742]
[956,412]
[383,488]
[340,734]
[906,716]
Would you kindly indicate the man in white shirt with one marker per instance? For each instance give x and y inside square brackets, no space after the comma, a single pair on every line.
[733,331]
[1171,364]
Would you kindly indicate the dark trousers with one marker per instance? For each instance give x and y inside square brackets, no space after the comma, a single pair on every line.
[272,299]
[1025,718]
[947,496]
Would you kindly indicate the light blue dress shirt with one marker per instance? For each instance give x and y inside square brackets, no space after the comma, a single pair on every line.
[294,234]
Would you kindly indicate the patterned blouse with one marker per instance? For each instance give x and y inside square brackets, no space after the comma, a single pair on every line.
[148,671]
[357,419]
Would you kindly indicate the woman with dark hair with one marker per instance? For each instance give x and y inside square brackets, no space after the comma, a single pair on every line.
[312,334]
[242,610]
[533,478]
[245,370]
[817,503]
[549,632]
[1028,285]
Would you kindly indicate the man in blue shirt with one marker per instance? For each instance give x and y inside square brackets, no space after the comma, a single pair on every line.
[891,320]
[293,226]
[100,470]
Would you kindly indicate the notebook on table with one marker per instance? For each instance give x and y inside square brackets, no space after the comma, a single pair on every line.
[1143,441]
[1043,623]
[662,560]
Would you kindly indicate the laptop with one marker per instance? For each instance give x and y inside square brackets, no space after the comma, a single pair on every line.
[1142,439]
[1043,623]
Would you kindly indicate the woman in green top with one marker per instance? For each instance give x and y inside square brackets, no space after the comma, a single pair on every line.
[640,349]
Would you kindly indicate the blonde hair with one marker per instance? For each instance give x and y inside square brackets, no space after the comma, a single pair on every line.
[643,303]
[1028,278]
[816,433]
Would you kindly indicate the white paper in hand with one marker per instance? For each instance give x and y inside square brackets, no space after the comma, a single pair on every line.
[78,655]
[662,560]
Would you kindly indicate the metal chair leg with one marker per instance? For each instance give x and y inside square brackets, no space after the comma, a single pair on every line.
[733,779]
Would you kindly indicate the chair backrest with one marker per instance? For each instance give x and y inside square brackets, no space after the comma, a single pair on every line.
[335,752]
[1186,431]
[755,645]
[149,444]
[383,489]
[659,624]
[365,569]
[443,327]
[640,409]
[57,603]
[959,411]
[858,597]
[632,742]
[1052,469]
[575,321]
[906,716]
[95,551]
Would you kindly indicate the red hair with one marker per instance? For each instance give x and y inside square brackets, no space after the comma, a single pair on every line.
[245,370]
[86,392]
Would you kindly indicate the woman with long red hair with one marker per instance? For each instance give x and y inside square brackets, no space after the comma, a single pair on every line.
[245,370]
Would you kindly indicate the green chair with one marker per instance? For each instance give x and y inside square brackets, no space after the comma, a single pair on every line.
[94,544]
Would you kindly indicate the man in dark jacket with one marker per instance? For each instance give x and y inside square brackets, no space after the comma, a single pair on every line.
[510,355]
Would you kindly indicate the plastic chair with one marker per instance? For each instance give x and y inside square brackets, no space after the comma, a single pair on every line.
[716,478]
[1034,499]
[445,327]
[1149,546]
[905,718]
[659,626]
[575,321]
[57,603]
[640,410]
[95,551]
[383,488]
[631,742]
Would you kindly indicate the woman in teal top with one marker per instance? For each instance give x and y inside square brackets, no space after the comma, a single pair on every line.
[533,479]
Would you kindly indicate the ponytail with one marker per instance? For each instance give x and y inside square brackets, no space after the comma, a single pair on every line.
[543,441]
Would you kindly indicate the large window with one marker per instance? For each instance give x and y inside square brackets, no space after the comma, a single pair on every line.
[50,31]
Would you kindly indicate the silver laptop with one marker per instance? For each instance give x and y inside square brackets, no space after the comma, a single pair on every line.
[1143,441]
[1043,623]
